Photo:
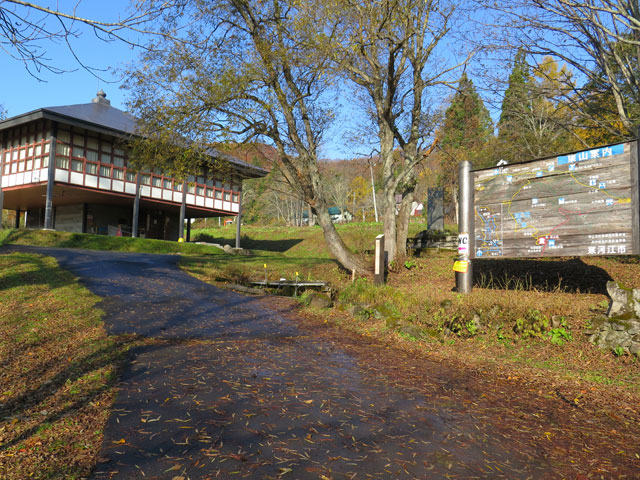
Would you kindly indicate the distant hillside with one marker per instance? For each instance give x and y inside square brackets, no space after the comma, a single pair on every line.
[258,154]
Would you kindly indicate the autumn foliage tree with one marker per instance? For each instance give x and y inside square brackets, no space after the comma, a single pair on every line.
[597,39]
[246,72]
[538,116]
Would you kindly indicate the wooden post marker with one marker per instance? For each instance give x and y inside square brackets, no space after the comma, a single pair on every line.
[380,263]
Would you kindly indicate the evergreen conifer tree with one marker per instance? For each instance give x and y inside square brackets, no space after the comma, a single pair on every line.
[467,123]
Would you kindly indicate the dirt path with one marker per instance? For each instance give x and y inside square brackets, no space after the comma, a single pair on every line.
[231,388]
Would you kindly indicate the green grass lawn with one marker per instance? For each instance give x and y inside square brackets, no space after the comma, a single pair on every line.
[58,375]
[298,241]
[101,242]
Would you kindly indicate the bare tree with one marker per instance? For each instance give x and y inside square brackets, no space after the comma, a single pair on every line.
[390,49]
[600,39]
[337,189]
[28,29]
[247,73]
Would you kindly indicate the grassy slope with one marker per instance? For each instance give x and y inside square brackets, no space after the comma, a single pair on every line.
[58,373]
[101,242]
[303,242]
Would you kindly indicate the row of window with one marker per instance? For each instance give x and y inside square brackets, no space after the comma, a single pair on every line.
[110,171]
[25,165]
[27,152]
[79,152]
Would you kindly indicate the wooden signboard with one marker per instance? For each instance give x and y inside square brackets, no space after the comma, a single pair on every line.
[581,204]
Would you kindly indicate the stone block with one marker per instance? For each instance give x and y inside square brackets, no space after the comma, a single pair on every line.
[625,302]
[634,328]
[412,330]
[618,326]
[320,300]
[615,338]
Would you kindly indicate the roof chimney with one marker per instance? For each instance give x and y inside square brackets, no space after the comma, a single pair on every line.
[101,97]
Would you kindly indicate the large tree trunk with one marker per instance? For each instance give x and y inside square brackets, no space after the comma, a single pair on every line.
[388,191]
[389,222]
[312,217]
[404,215]
[337,247]
[402,226]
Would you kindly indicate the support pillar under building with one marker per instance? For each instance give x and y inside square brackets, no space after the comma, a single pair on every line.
[239,221]
[1,192]
[183,209]
[48,209]
[136,208]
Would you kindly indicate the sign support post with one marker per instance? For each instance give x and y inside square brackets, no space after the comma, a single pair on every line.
[635,193]
[463,267]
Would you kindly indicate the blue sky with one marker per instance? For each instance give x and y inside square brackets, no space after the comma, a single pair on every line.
[22,92]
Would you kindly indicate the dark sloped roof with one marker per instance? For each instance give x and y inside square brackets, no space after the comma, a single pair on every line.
[98,114]
[103,117]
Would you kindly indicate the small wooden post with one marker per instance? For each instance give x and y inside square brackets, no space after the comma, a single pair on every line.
[380,263]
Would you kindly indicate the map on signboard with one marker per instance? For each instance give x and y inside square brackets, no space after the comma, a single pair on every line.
[577,204]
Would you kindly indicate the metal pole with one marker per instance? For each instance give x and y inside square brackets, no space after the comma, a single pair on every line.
[48,208]
[239,221]
[136,208]
[464,279]
[183,209]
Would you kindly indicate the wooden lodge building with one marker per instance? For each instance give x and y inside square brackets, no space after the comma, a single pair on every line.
[65,168]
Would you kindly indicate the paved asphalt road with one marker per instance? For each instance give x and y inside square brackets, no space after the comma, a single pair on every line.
[235,390]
